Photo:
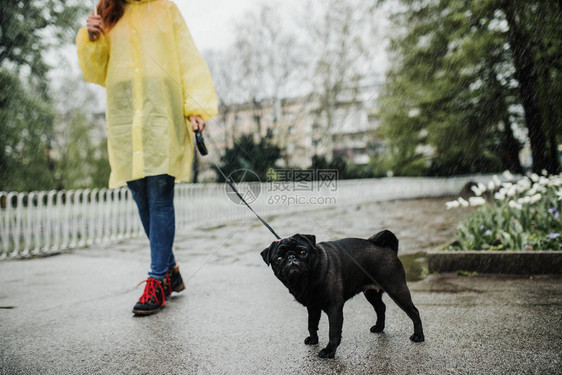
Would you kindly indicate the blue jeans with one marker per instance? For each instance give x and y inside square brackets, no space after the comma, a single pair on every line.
[154,196]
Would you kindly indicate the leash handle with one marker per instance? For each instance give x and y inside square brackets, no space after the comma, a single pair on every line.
[231,184]
[200,141]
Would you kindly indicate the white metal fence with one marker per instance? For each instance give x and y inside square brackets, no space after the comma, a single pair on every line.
[46,222]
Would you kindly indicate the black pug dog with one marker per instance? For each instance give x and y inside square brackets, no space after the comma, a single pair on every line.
[323,276]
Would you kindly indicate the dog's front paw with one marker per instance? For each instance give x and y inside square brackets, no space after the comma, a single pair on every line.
[417,337]
[311,340]
[377,328]
[326,353]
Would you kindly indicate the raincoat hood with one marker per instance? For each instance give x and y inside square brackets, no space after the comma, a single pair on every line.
[155,79]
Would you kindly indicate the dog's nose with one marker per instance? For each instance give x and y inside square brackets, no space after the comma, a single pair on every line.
[291,258]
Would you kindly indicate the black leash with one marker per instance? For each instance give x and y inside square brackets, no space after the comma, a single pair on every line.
[200,141]
[233,187]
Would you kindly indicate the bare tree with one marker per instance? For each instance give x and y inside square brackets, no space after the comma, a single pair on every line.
[343,38]
[266,64]
[229,92]
[324,54]
[269,54]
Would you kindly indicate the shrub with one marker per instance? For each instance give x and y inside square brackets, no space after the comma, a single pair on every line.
[514,215]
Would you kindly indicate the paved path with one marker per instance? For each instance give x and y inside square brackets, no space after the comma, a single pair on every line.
[72,313]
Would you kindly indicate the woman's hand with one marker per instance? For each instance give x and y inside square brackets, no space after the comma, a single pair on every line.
[94,24]
[197,123]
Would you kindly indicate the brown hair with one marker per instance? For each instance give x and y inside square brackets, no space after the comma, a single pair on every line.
[110,12]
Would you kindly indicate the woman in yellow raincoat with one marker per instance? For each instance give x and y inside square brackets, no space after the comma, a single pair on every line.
[159,90]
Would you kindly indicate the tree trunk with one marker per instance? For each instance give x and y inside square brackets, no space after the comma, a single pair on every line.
[554,163]
[525,73]
[549,68]
[512,148]
[509,147]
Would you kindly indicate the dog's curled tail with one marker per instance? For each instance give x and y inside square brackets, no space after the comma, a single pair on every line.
[385,238]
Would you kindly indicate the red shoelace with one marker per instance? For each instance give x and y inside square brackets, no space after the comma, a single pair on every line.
[150,291]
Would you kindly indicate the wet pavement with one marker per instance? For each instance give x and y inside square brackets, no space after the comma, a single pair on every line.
[72,314]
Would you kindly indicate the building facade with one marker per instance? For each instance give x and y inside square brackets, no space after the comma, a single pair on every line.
[301,127]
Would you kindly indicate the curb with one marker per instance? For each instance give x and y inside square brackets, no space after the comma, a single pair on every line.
[502,262]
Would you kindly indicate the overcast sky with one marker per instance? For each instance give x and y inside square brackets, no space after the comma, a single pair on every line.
[211,21]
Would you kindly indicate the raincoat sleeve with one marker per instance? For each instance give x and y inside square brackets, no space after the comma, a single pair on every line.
[199,95]
[92,57]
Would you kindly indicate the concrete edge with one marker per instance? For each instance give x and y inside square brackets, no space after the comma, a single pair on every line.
[498,262]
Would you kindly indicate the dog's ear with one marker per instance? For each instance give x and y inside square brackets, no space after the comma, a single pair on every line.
[310,239]
[265,254]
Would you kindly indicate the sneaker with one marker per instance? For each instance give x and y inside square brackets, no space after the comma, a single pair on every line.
[153,297]
[176,282]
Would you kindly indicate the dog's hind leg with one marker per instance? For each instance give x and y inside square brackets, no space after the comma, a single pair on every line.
[399,292]
[375,298]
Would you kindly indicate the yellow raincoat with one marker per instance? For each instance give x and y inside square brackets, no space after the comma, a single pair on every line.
[154,78]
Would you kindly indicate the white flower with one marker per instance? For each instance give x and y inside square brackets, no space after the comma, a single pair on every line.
[491,185]
[544,172]
[500,195]
[556,181]
[452,204]
[559,193]
[496,180]
[507,175]
[535,198]
[476,189]
[518,188]
[511,192]
[553,181]
[540,188]
[476,201]
[524,200]
[524,183]
[463,202]
[535,177]
[514,204]
[543,181]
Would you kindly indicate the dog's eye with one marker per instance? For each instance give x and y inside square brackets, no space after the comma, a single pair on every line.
[279,259]
[303,252]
